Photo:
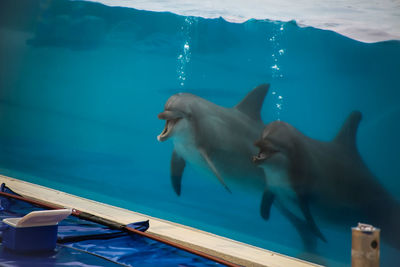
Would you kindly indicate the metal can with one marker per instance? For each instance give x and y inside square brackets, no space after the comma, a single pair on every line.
[365,246]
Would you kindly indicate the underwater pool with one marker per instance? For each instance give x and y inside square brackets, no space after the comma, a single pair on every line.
[82,84]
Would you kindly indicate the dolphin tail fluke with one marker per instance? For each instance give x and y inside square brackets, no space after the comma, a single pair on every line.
[251,105]
[214,169]
[347,134]
[177,167]
[266,203]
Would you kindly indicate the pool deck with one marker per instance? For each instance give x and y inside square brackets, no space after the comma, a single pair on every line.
[227,249]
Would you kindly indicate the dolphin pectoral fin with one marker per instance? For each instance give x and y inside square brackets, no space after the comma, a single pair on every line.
[214,170]
[177,167]
[310,220]
[266,203]
[252,103]
[303,229]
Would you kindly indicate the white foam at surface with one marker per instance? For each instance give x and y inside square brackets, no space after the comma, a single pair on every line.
[363,20]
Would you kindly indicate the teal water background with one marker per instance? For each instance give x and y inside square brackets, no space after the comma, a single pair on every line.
[81,85]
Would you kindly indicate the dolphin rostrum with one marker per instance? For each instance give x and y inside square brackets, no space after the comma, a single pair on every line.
[215,138]
[328,178]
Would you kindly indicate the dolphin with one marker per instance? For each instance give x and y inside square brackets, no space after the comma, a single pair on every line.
[215,138]
[329,179]
[220,141]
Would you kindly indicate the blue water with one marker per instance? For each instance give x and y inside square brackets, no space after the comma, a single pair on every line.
[81,85]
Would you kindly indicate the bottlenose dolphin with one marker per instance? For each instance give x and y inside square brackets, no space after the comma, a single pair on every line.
[220,140]
[327,179]
[215,138]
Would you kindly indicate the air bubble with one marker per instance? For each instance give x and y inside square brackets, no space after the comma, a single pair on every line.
[275,67]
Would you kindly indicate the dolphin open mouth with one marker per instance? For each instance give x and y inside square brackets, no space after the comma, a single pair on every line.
[172,118]
[169,125]
[267,150]
[260,157]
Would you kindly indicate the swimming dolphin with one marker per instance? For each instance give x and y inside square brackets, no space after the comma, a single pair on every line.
[215,138]
[220,140]
[328,178]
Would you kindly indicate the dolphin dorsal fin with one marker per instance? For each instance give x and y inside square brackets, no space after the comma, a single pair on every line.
[347,134]
[251,105]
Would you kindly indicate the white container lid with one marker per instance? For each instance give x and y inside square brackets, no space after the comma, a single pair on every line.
[39,218]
